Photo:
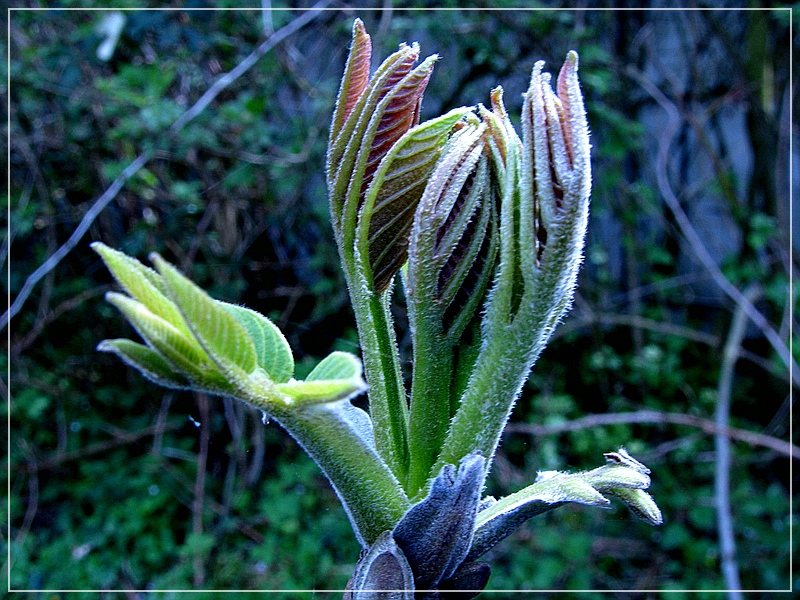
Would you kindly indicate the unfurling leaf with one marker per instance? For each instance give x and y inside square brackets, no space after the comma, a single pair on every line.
[453,242]
[355,78]
[273,353]
[142,283]
[640,504]
[391,200]
[337,377]
[179,350]
[220,333]
[552,489]
[147,361]
[369,119]
[337,365]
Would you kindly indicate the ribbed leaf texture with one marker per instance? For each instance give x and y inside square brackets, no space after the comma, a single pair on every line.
[355,78]
[399,112]
[142,283]
[395,192]
[217,329]
[180,351]
[273,353]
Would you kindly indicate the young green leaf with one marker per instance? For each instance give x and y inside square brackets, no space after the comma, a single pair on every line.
[550,491]
[337,365]
[273,353]
[337,377]
[219,332]
[142,283]
[640,504]
[182,352]
[147,361]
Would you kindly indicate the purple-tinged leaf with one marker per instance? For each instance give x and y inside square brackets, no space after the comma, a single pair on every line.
[355,78]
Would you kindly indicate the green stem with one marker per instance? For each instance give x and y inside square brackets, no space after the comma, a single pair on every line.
[387,399]
[430,401]
[487,402]
[372,496]
[504,362]
[387,396]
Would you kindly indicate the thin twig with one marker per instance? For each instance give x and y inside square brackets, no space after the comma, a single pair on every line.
[585,317]
[119,440]
[220,84]
[654,416]
[691,235]
[266,17]
[33,494]
[589,317]
[259,448]
[251,59]
[722,445]
[186,484]
[161,421]
[76,236]
[200,488]
[66,305]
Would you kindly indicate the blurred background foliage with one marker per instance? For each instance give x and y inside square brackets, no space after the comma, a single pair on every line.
[118,484]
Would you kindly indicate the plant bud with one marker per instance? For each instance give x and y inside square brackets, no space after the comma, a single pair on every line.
[370,116]
[452,245]
[556,167]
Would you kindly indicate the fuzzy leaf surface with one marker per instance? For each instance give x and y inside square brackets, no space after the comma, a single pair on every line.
[273,353]
[142,283]
[146,360]
[395,191]
[216,328]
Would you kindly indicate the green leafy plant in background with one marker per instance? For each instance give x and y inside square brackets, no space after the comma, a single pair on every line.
[487,230]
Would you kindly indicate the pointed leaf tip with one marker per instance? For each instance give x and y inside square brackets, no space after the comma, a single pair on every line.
[355,78]
[146,360]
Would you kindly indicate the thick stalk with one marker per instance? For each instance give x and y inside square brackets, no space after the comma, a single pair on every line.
[332,434]
[387,400]
[430,402]
[488,399]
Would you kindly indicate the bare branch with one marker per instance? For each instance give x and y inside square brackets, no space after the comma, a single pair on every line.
[107,196]
[722,444]
[198,562]
[654,416]
[691,235]
[266,17]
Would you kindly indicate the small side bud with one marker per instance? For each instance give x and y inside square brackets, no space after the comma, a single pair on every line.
[640,504]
